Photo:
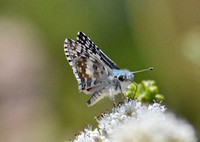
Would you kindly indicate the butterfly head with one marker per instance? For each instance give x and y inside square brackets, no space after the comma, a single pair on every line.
[123,75]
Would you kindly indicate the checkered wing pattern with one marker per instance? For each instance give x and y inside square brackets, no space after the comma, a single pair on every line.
[94,50]
[88,69]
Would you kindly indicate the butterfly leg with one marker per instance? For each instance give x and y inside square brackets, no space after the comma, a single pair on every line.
[120,88]
[111,96]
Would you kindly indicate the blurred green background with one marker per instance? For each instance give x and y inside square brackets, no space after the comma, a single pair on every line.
[39,99]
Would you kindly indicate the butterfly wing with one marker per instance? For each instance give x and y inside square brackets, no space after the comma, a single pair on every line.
[88,69]
[85,41]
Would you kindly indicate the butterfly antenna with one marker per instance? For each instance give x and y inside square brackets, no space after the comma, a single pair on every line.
[149,69]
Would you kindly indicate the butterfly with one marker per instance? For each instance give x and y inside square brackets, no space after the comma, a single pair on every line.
[95,72]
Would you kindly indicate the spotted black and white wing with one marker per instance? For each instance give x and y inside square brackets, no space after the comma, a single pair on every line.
[90,65]
[87,68]
[85,41]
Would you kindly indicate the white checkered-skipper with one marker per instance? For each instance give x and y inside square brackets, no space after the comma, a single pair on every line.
[95,72]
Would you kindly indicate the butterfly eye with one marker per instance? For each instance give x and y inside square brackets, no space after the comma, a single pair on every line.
[121,78]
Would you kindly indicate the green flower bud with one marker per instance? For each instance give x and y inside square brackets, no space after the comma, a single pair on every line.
[146,91]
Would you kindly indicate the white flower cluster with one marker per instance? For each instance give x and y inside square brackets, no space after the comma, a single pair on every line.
[134,122]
